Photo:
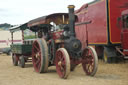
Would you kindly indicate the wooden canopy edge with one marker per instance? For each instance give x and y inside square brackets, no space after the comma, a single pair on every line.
[19,27]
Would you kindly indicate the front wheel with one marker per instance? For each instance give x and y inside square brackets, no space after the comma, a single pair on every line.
[62,62]
[90,61]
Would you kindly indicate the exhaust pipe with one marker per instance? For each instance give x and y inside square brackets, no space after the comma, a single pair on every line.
[71,20]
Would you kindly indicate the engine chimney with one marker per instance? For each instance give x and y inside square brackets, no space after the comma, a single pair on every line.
[71,20]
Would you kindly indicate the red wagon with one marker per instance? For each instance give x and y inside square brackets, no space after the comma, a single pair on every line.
[108,28]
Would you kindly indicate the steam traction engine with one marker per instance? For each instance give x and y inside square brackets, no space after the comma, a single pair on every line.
[57,45]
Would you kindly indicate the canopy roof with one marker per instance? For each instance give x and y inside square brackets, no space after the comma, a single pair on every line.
[57,18]
[43,22]
[19,27]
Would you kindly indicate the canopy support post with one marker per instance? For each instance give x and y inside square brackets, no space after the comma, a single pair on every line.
[22,36]
[12,37]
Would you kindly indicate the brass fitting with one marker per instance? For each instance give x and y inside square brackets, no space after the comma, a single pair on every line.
[71,6]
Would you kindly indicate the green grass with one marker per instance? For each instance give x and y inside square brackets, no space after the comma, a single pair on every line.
[29,37]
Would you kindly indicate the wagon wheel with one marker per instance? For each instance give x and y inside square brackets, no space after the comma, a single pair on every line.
[15,59]
[22,62]
[40,55]
[90,61]
[62,62]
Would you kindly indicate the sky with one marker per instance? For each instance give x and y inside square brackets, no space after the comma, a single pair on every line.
[21,11]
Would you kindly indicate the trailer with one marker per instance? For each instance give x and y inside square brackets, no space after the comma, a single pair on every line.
[108,28]
[57,45]
[21,52]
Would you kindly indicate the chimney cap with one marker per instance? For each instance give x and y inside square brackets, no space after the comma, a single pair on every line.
[71,6]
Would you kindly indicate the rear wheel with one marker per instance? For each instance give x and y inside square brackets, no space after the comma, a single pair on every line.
[15,59]
[40,55]
[22,62]
[62,62]
[90,61]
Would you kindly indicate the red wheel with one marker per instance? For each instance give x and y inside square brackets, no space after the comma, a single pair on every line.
[40,55]
[90,59]
[62,63]
[15,59]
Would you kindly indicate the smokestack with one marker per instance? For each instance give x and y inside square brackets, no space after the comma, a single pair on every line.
[71,20]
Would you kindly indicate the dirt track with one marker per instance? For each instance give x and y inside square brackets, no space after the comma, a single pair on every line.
[108,74]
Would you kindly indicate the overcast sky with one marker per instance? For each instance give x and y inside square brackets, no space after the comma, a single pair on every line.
[21,11]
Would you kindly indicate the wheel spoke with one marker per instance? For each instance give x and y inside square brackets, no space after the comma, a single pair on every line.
[36,47]
[89,63]
[62,59]
[36,55]
[39,65]
[63,63]
[63,69]
[90,60]
[37,62]
[89,68]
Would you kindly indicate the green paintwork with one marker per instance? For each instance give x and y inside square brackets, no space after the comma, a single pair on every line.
[21,48]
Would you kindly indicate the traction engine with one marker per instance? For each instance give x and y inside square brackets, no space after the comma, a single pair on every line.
[57,45]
